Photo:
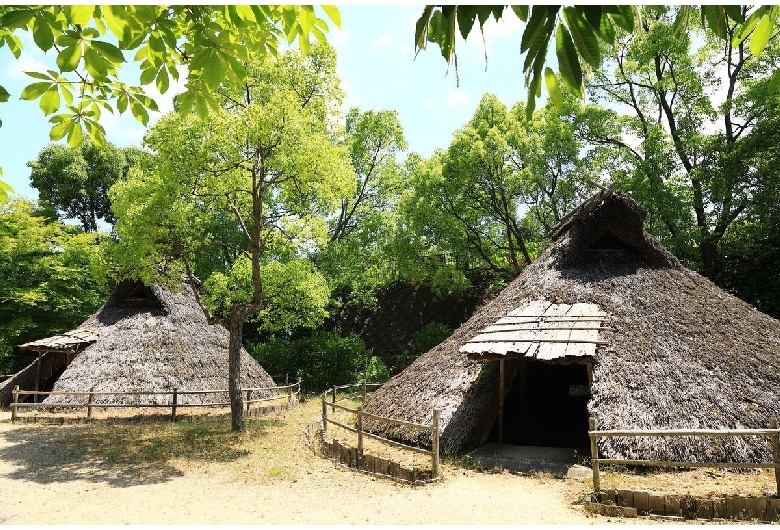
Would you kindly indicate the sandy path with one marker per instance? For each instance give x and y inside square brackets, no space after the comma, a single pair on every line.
[46,480]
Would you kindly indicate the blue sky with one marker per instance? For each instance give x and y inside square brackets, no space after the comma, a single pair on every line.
[376,63]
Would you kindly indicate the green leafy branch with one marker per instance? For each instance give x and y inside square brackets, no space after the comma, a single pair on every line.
[577,32]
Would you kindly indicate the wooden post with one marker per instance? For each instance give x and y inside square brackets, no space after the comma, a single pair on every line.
[37,377]
[360,434]
[175,402]
[364,391]
[89,402]
[334,393]
[775,451]
[594,456]
[289,392]
[324,414]
[248,399]
[435,445]
[13,405]
[501,370]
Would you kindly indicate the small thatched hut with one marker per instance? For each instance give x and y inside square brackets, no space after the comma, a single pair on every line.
[150,338]
[606,323]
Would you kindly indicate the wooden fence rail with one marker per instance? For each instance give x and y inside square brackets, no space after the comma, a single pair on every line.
[286,391]
[360,416]
[773,432]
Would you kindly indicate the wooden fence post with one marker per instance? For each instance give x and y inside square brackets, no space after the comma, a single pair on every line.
[435,445]
[13,405]
[175,402]
[364,391]
[775,451]
[324,414]
[594,455]
[248,399]
[89,402]
[289,393]
[360,434]
[334,393]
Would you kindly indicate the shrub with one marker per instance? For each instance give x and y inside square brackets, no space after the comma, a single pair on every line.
[321,361]
[449,282]
[431,335]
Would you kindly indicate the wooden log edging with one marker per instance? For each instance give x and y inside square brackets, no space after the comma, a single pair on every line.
[374,465]
[614,502]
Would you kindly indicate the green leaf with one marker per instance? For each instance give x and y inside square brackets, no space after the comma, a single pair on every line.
[75,135]
[421,28]
[39,75]
[68,59]
[551,80]
[42,34]
[4,95]
[584,38]
[110,52]
[624,17]
[121,103]
[60,130]
[568,61]
[763,32]
[148,75]
[536,27]
[746,27]
[35,90]
[162,81]
[466,16]
[715,17]
[79,15]
[333,13]
[17,18]
[521,12]
[139,111]
[50,100]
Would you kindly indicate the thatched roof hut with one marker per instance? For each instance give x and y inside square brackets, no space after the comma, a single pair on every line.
[671,350]
[151,338]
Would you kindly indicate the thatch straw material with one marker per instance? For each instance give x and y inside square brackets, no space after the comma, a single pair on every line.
[152,339]
[684,353]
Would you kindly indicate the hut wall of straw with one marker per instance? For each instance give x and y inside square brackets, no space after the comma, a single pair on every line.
[158,344]
[683,353]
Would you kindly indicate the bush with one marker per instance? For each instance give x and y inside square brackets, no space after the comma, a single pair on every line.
[431,335]
[321,361]
[449,282]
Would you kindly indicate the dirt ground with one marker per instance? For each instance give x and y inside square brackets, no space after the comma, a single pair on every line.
[200,473]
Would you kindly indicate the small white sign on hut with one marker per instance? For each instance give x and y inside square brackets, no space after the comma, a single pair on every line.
[541,330]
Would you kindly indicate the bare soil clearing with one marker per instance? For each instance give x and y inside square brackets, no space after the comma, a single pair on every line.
[200,473]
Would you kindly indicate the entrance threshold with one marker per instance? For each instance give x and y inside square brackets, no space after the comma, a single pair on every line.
[559,461]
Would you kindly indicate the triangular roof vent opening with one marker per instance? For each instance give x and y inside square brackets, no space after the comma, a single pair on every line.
[609,243]
[133,294]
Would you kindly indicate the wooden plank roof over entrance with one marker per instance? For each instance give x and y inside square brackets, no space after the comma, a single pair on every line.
[68,342]
[541,330]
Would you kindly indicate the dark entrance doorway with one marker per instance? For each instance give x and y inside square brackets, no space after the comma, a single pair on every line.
[547,405]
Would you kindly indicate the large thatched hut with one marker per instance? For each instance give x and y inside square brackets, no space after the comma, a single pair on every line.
[151,339]
[606,323]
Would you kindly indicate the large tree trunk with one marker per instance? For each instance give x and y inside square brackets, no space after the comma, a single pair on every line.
[235,326]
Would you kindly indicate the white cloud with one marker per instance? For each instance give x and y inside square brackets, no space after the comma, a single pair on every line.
[427,103]
[456,97]
[383,43]
[338,37]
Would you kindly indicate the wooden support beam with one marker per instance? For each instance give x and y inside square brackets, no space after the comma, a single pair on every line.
[501,377]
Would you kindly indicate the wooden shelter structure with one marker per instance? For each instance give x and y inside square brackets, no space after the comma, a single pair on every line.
[59,350]
[668,349]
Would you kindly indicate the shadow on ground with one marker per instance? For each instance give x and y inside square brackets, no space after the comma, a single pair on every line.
[121,455]
[559,462]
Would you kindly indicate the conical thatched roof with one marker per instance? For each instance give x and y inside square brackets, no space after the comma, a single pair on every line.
[150,338]
[682,354]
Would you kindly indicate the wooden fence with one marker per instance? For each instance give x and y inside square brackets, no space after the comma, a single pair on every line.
[773,432]
[361,460]
[287,391]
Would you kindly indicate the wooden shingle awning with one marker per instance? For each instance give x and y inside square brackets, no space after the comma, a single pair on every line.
[541,330]
[68,342]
